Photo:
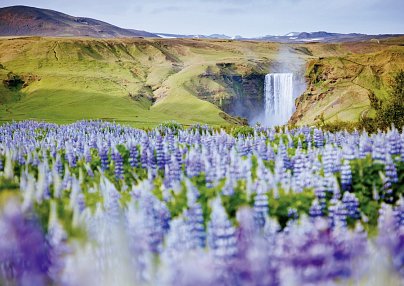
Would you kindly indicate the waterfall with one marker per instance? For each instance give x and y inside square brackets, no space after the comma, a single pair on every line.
[278,98]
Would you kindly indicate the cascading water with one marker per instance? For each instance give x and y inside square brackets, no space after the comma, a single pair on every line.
[278,98]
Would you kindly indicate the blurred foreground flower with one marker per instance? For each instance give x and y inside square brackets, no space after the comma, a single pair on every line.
[24,252]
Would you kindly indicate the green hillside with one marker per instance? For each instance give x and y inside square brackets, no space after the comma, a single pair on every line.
[143,82]
[342,85]
[70,79]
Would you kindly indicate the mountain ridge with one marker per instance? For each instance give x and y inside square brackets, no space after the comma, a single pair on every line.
[30,21]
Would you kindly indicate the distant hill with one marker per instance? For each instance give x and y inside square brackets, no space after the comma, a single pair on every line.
[30,21]
[179,36]
[322,36]
[293,37]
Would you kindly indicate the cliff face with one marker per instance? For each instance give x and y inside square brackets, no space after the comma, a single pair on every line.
[248,99]
[341,87]
[236,88]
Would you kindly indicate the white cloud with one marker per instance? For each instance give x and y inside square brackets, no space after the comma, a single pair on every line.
[245,17]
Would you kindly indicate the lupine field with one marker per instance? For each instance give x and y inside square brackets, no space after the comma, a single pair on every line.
[95,203]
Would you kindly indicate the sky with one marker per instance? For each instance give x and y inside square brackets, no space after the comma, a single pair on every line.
[248,18]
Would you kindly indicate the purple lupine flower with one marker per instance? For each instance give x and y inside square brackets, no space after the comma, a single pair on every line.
[340,214]
[332,212]
[70,156]
[263,150]
[391,238]
[322,255]
[253,263]
[35,160]
[57,238]
[210,174]
[393,138]
[399,212]
[318,137]
[365,146]
[328,160]
[261,207]
[320,193]
[228,188]
[133,155]
[402,148]
[151,158]
[293,214]
[387,191]
[24,251]
[221,234]
[270,154]
[103,153]
[298,163]
[348,151]
[196,224]
[20,156]
[118,164]
[160,152]
[174,170]
[144,160]
[379,149]
[346,176]
[59,165]
[282,152]
[87,154]
[351,204]
[154,229]
[316,209]
[390,170]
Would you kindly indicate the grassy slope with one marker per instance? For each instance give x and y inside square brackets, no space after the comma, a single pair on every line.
[114,79]
[88,78]
[344,76]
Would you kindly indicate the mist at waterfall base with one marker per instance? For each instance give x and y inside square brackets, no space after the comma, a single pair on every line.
[283,85]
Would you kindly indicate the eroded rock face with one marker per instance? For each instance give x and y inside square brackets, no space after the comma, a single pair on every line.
[342,88]
[237,89]
[248,100]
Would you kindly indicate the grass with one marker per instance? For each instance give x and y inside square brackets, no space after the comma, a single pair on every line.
[114,79]
[341,84]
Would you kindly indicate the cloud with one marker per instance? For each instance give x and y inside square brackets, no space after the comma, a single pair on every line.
[169,9]
[230,11]
[243,17]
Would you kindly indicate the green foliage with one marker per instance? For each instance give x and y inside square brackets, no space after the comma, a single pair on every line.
[65,216]
[234,202]
[244,131]
[279,205]
[42,212]
[7,185]
[367,184]
[338,125]
[392,111]
[172,125]
[178,202]
[205,195]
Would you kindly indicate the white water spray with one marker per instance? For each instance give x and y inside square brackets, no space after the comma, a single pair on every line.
[278,98]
